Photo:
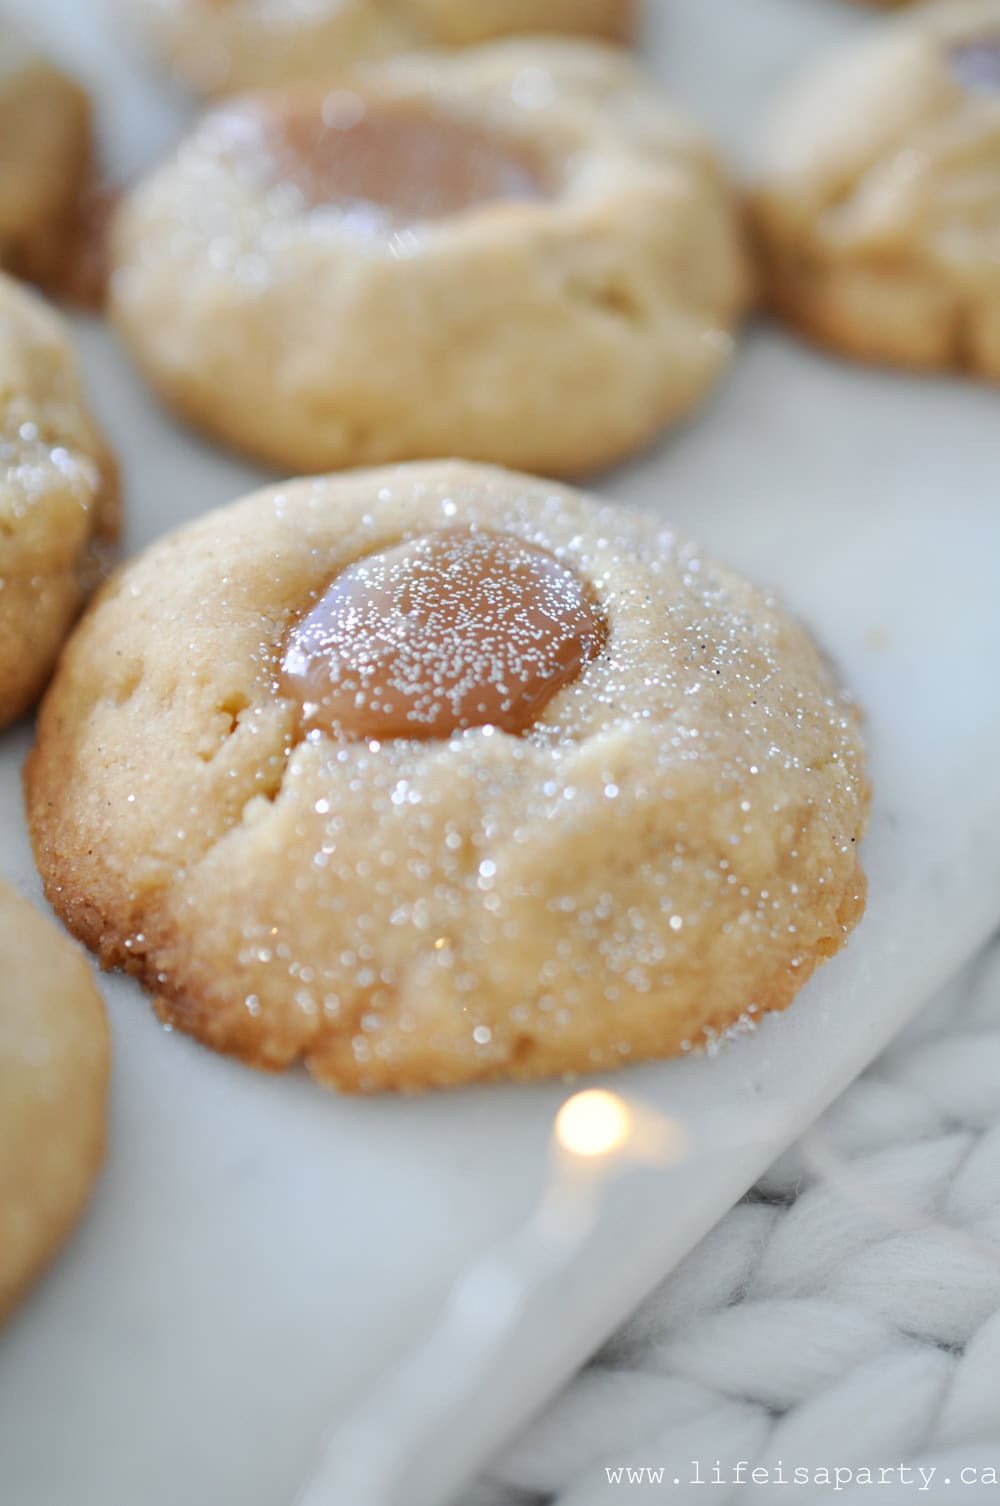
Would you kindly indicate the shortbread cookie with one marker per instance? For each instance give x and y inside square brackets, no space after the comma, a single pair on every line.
[54,1057]
[441,773]
[45,159]
[515,254]
[227,45]
[878,204]
[58,496]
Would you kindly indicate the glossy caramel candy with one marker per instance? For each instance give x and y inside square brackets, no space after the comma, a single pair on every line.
[408,163]
[453,629]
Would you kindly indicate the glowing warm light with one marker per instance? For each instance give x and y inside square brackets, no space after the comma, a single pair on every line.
[594,1123]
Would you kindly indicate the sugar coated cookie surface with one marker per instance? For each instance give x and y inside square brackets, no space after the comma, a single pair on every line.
[54,1062]
[441,773]
[518,254]
[45,158]
[219,46]
[58,496]
[878,199]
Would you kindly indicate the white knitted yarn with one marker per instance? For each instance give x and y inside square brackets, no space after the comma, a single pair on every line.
[846,1314]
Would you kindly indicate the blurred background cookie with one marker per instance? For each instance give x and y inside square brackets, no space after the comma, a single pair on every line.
[440,773]
[517,254]
[59,510]
[219,46]
[878,199]
[45,159]
[54,1064]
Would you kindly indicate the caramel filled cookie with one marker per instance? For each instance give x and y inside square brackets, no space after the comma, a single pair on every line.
[58,496]
[220,46]
[878,200]
[440,773]
[517,254]
[54,1062]
[45,159]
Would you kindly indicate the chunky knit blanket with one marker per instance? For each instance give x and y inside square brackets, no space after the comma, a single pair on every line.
[837,1336]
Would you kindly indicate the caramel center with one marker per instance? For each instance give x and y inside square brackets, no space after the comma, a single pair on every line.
[977,64]
[458,628]
[409,163]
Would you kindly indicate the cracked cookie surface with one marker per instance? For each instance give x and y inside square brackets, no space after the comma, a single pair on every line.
[517,254]
[54,1064]
[877,204]
[59,510]
[666,845]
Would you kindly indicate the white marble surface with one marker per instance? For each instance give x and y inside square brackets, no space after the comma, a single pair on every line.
[259,1255]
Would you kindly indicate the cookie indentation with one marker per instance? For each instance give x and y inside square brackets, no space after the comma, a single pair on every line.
[453,629]
[394,163]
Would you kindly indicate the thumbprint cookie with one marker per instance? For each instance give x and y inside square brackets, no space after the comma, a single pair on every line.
[45,159]
[54,1063]
[878,200]
[440,773]
[516,255]
[58,495]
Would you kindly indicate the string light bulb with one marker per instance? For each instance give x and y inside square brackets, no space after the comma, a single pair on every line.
[593,1123]
[596,1132]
